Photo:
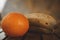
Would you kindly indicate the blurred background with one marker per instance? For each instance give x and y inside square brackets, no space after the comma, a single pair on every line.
[27,6]
[51,7]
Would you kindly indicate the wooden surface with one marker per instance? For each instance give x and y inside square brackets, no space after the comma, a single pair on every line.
[51,7]
[34,35]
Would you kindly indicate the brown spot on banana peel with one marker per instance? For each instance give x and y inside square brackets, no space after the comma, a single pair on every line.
[41,19]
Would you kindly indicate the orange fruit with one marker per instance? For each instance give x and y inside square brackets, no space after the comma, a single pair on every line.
[15,24]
